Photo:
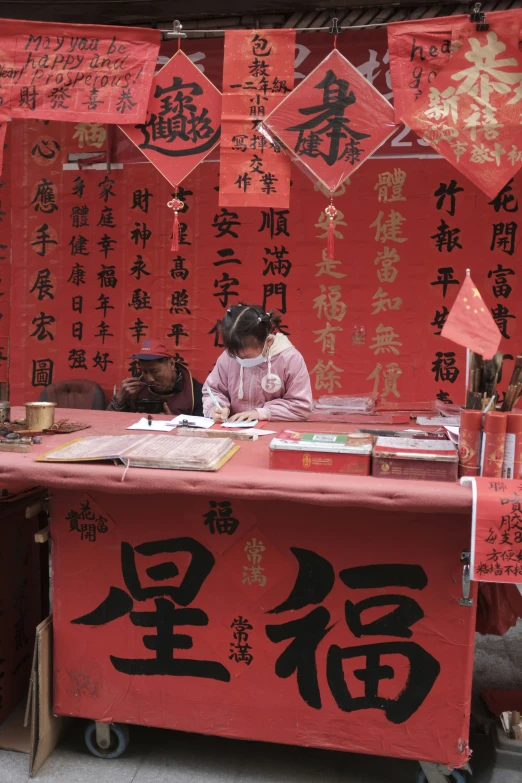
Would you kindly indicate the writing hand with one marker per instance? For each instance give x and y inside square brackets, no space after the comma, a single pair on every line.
[245,416]
[220,414]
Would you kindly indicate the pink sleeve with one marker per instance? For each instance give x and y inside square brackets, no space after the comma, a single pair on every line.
[296,405]
[218,382]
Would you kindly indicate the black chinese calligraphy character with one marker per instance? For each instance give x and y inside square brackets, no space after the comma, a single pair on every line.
[447,238]
[278,264]
[43,240]
[107,277]
[167,598]
[445,278]
[140,300]
[179,302]
[44,199]
[46,149]
[42,374]
[125,102]
[104,305]
[141,234]
[77,276]
[505,199]
[77,359]
[501,315]
[78,245]
[139,268]
[440,319]
[216,331]
[106,188]
[225,255]
[219,519]
[179,119]
[447,190]
[276,222]
[138,329]
[102,361]
[77,304]
[275,290]
[105,245]
[179,271]
[42,285]
[40,323]
[328,122]
[176,332]
[79,216]
[103,331]
[225,284]
[106,218]
[225,223]
[77,330]
[79,187]
[140,199]
[504,237]
[501,288]
[445,367]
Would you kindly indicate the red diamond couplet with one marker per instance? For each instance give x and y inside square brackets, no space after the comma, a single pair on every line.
[183,119]
[333,121]
[473,112]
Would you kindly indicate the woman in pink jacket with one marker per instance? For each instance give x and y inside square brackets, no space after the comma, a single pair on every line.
[260,375]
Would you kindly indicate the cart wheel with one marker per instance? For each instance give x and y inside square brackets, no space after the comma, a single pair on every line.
[455,777]
[119,741]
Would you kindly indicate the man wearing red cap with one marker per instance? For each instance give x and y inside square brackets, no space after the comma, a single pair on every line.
[163,384]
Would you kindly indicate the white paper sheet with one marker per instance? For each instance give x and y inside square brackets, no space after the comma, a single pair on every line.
[239,425]
[155,426]
[439,421]
[197,421]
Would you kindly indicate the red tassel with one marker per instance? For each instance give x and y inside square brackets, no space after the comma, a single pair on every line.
[330,242]
[175,234]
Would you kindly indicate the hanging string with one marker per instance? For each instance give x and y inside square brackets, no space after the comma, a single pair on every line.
[335,41]
[179,44]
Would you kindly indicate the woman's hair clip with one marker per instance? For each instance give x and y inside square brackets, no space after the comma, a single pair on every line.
[259,319]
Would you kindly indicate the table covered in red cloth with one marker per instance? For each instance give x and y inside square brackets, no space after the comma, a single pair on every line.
[308,609]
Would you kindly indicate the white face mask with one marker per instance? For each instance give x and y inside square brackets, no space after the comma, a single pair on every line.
[251,362]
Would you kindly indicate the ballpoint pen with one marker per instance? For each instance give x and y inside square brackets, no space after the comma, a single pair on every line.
[215,400]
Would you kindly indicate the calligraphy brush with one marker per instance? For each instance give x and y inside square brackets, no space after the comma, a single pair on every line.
[490,371]
[515,386]
[474,400]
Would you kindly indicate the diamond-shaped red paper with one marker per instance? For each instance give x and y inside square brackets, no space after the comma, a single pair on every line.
[472,113]
[183,119]
[333,121]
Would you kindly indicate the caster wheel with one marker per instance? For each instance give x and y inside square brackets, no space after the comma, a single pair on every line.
[455,777]
[119,741]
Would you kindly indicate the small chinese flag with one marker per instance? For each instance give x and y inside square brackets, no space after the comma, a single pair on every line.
[470,323]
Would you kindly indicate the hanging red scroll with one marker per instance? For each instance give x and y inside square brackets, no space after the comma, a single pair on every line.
[183,125]
[472,111]
[3,129]
[331,123]
[258,72]
[76,72]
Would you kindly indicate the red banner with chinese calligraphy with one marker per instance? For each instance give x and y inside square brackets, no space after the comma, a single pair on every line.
[183,119]
[5,251]
[496,542]
[3,129]
[270,650]
[333,121]
[469,109]
[94,273]
[76,72]
[258,71]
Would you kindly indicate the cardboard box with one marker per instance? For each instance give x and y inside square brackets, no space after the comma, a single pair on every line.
[406,458]
[327,452]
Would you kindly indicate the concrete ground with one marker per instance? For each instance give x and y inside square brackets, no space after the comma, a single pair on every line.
[157,756]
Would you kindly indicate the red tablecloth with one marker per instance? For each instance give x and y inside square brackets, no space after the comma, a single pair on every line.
[247,475]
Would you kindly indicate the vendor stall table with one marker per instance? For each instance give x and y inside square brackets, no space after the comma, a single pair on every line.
[309,609]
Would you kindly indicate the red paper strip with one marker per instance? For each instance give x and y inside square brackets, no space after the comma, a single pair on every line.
[496,546]
[333,121]
[76,72]
[258,72]
[183,119]
[3,129]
